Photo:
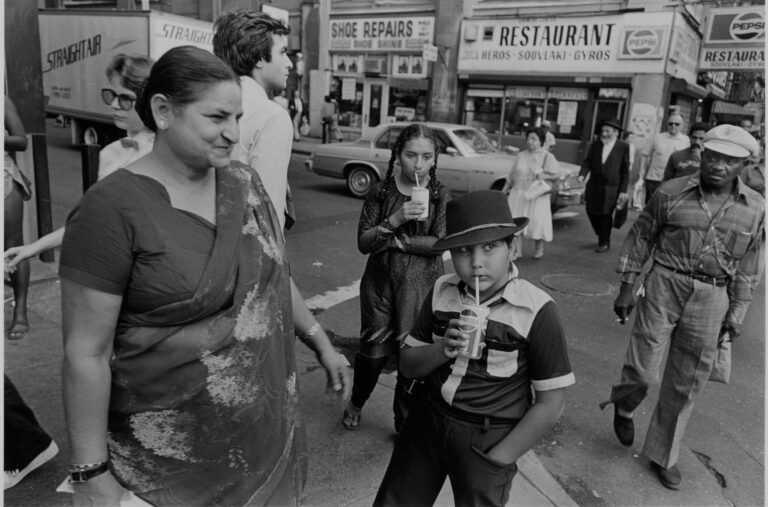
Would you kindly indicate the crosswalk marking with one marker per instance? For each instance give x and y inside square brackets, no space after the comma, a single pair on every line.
[331,298]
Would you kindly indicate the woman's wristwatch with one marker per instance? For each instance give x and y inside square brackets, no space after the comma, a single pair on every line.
[79,474]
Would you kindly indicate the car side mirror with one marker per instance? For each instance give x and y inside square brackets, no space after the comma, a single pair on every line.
[450,150]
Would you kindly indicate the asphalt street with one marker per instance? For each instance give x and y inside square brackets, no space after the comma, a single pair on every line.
[722,459]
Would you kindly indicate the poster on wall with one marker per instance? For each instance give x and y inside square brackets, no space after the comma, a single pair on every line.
[417,65]
[644,121]
[348,85]
[340,63]
[566,114]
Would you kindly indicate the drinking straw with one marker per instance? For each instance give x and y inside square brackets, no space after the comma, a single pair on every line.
[477,291]
[417,181]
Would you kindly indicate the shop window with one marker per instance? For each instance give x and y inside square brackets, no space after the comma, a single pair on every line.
[407,104]
[521,115]
[566,118]
[482,110]
[350,100]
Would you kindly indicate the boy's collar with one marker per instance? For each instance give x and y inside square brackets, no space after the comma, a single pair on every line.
[508,292]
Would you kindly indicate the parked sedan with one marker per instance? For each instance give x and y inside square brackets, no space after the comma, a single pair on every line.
[468,161]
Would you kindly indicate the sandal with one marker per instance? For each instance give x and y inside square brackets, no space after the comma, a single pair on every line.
[18,331]
[351,421]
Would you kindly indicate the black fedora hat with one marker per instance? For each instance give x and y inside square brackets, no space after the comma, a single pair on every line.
[478,217]
[612,122]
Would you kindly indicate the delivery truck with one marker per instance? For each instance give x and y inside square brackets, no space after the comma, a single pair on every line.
[78,45]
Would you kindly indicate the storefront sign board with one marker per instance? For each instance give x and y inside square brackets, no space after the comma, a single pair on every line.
[683,52]
[736,26]
[732,58]
[403,33]
[569,45]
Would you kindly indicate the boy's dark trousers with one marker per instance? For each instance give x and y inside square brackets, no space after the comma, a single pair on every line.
[435,444]
[24,438]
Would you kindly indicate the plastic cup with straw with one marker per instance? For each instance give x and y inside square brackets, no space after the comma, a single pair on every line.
[420,195]
[472,321]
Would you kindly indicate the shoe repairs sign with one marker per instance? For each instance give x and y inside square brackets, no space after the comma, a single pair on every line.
[734,39]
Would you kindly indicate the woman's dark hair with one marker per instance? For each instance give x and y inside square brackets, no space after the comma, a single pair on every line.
[412,131]
[181,75]
[243,38]
[131,70]
[540,133]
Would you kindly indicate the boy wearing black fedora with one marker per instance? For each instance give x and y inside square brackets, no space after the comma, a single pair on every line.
[478,417]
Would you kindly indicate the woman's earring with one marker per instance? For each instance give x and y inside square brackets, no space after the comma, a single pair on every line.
[161,125]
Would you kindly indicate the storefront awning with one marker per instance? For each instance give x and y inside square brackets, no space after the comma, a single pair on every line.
[729,108]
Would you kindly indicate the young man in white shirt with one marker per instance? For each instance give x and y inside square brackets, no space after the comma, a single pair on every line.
[255,45]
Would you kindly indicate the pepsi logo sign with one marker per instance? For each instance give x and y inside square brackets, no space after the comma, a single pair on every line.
[641,42]
[747,26]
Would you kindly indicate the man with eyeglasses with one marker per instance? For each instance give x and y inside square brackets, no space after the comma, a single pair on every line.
[687,161]
[664,144]
[704,236]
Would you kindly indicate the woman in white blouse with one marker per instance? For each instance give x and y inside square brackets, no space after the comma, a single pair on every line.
[126,75]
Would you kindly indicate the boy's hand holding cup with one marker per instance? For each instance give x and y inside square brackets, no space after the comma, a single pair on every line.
[455,339]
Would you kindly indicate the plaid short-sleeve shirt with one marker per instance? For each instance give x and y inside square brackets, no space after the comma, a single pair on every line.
[524,346]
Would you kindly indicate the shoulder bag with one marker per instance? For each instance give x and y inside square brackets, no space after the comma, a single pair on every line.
[539,187]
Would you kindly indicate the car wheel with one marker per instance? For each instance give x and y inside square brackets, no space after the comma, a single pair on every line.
[360,180]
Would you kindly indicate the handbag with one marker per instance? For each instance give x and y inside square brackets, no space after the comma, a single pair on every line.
[539,187]
[721,371]
[620,216]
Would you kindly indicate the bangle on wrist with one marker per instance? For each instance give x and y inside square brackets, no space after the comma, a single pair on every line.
[312,331]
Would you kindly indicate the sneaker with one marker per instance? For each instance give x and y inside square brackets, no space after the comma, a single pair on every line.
[13,477]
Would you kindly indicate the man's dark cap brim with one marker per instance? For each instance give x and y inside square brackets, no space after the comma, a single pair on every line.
[481,235]
[611,123]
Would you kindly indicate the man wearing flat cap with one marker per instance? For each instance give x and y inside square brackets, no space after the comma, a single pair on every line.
[607,164]
[704,235]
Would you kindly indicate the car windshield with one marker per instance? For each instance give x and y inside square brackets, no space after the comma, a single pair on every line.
[475,141]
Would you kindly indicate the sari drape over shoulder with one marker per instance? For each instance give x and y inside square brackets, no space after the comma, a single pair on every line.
[204,402]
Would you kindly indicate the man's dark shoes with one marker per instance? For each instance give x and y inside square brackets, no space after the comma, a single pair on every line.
[624,428]
[669,477]
[602,248]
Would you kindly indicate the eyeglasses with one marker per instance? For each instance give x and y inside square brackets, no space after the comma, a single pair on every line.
[674,123]
[124,100]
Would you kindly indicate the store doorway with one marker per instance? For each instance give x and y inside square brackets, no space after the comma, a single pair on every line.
[375,98]
[605,110]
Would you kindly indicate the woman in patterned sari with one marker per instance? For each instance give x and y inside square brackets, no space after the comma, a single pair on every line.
[179,315]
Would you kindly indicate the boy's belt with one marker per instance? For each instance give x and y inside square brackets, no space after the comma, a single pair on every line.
[466,417]
[717,281]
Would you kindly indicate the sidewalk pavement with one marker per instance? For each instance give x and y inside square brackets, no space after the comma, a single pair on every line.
[345,467]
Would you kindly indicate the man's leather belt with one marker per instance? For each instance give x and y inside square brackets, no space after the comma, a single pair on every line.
[717,281]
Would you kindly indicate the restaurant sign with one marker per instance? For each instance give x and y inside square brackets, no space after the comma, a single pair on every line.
[381,34]
[635,42]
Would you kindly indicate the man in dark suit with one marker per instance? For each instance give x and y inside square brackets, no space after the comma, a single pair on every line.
[607,163]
